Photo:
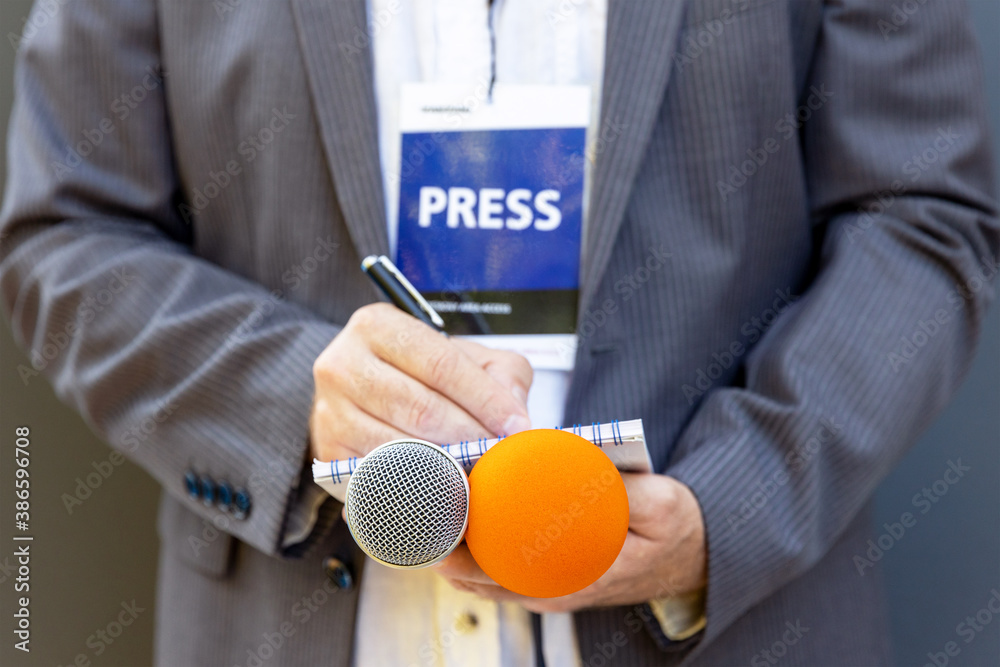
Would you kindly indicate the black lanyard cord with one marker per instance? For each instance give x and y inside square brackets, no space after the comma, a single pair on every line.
[493,51]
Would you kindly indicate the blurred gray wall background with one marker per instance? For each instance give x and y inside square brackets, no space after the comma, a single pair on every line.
[946,567]
[84,565]
[87,564]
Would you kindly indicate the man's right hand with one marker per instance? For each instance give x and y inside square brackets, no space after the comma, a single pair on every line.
[388,376]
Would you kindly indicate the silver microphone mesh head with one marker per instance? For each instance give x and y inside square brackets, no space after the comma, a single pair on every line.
[408,503]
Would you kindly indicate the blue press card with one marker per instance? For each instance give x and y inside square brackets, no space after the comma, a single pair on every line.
[491,210]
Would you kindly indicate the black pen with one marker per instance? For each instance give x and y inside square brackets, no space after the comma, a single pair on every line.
[398,289]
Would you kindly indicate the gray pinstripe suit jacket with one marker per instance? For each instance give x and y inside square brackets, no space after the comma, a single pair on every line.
[828,156]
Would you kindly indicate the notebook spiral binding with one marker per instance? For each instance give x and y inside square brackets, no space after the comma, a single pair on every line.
[464,452]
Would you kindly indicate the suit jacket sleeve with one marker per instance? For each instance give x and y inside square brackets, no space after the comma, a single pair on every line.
[899,176]
[174,361]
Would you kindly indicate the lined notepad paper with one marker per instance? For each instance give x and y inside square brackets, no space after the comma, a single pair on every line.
[623,441]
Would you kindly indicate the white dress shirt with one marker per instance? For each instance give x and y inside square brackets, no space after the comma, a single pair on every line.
[413,617]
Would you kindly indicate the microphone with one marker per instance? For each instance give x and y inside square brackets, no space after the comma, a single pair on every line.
[408,503]
[548,513]
[544,512]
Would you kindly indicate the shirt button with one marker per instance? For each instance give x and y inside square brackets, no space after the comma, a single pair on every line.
[338,572]
[466,623]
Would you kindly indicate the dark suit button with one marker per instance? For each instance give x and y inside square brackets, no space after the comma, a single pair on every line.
[207,490]
[225,493]
[242,504]
[191,483]
[339,573]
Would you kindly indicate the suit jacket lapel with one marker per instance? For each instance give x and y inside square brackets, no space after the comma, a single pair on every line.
[341,82]
[641,40]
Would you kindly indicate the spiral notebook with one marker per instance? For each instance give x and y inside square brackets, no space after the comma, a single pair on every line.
[623,441]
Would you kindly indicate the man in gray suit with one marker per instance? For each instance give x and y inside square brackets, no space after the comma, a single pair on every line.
[818,172]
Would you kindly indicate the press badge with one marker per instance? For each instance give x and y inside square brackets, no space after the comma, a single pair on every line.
[491,211]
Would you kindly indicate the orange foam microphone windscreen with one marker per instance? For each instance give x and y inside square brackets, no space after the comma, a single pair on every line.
[548,513]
